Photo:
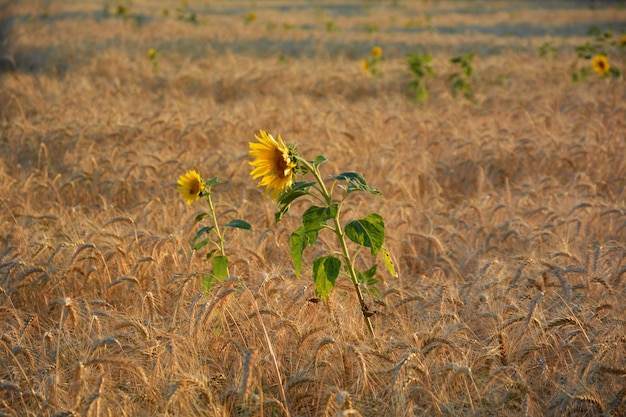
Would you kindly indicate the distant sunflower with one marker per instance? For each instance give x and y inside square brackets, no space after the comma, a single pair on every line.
[190,185]
[377,51]
[365,66]
[600,65]
[275,162]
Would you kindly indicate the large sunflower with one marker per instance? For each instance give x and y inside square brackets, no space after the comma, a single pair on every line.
[190,185]
[600,65]
[275,162]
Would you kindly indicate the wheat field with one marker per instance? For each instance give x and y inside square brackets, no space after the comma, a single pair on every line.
[505,215]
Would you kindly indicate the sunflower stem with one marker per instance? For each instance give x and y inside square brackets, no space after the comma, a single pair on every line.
[218,233]
[341,237]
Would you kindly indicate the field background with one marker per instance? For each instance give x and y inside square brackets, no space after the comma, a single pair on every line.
[506,217]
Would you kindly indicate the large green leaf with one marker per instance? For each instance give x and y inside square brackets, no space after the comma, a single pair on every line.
[239,224]
[368,231]
[297,244]
[296,191]
[201,231]
[325,273]
[314,218]
[356,182]
[220,267]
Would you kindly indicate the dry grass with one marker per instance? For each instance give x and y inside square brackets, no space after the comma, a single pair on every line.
[506,218]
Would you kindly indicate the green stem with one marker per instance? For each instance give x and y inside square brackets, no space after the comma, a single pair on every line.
[342,242]
[220,238]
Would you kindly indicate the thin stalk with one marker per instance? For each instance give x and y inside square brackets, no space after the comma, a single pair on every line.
[220,238]
[342,242]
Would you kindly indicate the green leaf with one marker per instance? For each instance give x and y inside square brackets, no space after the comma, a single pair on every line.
[314,218]
[201,231]
[297,244]
[239,224]
[369,275]
[388,262]
[200,216]
[208,255]
[319,160]
[220,267]
[374,292]
[208,282]
[211,182]
[325,273]
[368,231]
[296,191]
[201,244]
[356,182]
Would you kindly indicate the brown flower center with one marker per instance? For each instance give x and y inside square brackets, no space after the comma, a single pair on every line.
[282,164]
[194,187]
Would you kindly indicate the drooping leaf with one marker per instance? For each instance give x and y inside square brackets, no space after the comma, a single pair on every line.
[319,160]
[239,224]
[200,216]
[210,254]
[296,191]
[220,267]
[297,244]
[314,218]
[368,231]
[356,182]
[201,231]
[201,244]
[388,262]
[325,273]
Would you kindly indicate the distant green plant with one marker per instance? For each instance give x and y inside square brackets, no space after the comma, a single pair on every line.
[371,28]
[595,55]
[547,50]
[184,13]
[331,26]
[372,64]
[419,66]
[460,80]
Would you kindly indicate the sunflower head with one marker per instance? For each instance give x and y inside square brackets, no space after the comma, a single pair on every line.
[190,186]
[377,51]
[365,66]
[600,65]
[274,162]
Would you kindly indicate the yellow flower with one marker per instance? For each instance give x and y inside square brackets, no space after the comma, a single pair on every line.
[190,185]
[365,66]
[377,52]
[275,162]
[600,65]
[151,53]
[622,40]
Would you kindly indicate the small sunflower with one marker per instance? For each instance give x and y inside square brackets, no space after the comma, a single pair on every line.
[275,162]
[365,66]
[600,65]
[190,186]
[377,51]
